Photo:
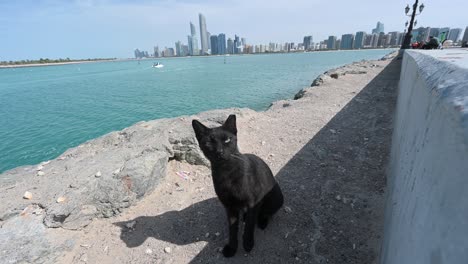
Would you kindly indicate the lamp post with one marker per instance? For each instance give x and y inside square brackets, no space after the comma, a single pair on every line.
[407,40]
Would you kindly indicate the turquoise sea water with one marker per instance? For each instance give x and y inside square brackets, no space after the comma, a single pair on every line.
[46,110]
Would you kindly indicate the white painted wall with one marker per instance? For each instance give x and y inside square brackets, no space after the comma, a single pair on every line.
[427,198]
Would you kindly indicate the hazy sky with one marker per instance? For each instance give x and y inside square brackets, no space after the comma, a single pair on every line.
[30,29]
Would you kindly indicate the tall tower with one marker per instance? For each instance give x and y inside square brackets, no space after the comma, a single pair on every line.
[193,41]
[203,34]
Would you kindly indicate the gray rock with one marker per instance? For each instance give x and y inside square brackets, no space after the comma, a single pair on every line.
[318,81]
[25,239]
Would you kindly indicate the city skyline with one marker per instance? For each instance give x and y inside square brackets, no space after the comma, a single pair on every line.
[361,40]
[114,28]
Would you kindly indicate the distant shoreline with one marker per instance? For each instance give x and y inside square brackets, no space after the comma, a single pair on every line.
[52,63]
[174,57]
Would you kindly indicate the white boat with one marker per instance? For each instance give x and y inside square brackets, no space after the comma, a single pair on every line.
[158,65]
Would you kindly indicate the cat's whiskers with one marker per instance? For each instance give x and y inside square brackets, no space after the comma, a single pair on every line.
[237,156]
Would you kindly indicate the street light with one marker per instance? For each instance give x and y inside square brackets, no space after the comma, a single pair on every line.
[407,40]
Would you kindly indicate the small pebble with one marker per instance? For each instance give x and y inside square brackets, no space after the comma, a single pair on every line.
[40,173]
[117,171]
[217,234]
[167,250]
[338,197]
[288,209]
[98,174]
[130,225]
[207,234]
[27,195]
[333,131]
[61,199]
[149,251]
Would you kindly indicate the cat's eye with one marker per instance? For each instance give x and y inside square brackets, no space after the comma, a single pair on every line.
[227,140]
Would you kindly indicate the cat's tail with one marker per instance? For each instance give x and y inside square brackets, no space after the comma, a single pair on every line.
[271,203]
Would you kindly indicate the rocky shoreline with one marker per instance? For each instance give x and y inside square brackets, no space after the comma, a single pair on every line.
[104,176]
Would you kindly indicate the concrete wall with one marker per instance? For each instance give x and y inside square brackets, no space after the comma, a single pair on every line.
[427,205]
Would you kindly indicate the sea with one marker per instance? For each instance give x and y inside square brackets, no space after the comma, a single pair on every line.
[46,110]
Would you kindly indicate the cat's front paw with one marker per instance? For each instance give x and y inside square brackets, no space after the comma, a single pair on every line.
[229,251]
[248,244]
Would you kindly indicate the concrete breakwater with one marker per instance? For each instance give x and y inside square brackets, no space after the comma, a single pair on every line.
[103,176]
[427,208]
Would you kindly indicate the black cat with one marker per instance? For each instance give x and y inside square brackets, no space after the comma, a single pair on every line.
[243,182]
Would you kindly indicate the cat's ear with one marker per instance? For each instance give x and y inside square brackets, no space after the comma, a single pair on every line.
[230,124]
[200,129]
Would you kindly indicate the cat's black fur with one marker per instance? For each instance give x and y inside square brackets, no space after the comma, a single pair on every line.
[243,182]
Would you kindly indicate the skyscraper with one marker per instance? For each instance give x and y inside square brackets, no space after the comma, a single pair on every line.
[359,40]
[454,34]
[375,40]
[347,41]
[193,41]
[209,37]
[193,31]
[434,32]
[381,39]
[221,44]
[331,42]
[237,44]
[465,38]
[178,48]
[214,45]
[156,52]
[394,38]
[423,34]
[230,46]
[203,34]
[379,28]
[307,43]
[443,33]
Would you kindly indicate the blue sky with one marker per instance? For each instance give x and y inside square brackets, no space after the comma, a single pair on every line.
[30,29]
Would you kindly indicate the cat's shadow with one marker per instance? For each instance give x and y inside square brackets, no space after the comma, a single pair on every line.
[198,222]
[203,221]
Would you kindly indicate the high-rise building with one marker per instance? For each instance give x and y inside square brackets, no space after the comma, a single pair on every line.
[434,32]
[221,44]
[307,43]
[465,38]
[203,34]
[193,41]
[184,50]
[178,48]
[443,33]
[214,45]
[193,31]
[401,36]
[156,52]
[209,38]
[423,34]
[237,45]
[359,40]
[394,36]
[379,28]
[230,46]
[331,42]
[454,34]
[375,40]
[368,41]
[381,39]
[347,41]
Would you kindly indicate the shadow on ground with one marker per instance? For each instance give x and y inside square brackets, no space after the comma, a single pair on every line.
[333,187]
